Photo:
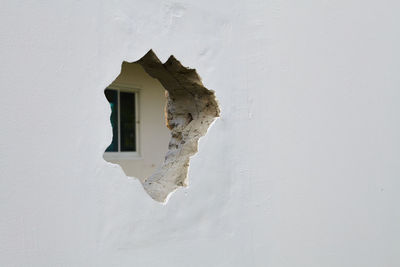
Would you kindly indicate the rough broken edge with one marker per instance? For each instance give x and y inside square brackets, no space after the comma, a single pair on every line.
[191,109]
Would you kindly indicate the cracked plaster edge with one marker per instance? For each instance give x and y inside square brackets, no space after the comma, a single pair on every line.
[191,110]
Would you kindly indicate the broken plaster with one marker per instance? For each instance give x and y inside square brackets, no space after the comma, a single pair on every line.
[190,110]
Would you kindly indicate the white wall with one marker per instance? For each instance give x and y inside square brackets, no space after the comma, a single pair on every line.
[302,169]
[153,134]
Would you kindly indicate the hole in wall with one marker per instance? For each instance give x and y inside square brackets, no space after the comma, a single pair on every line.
[158,113]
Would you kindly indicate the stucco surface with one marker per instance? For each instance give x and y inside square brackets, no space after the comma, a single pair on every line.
[302,168]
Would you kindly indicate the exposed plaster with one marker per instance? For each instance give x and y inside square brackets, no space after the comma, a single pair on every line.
[190,110]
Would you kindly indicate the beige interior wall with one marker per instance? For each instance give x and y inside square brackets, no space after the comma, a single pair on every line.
[153,134]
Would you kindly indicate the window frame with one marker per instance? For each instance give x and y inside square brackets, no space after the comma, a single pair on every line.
[126,154]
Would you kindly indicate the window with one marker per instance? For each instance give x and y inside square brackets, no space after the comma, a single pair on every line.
[124,122]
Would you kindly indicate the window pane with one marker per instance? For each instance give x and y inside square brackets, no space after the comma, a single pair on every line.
[112,97]
[128,124]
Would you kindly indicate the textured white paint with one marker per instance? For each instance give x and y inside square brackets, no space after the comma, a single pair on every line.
[302,168]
